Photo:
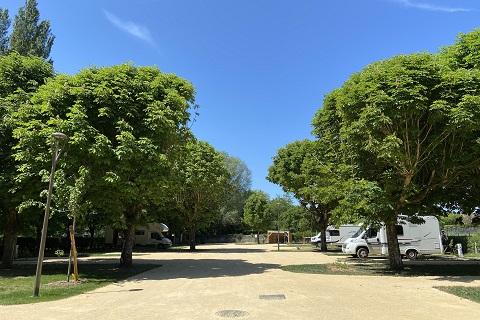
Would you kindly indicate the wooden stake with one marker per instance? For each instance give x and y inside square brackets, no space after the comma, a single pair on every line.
[74,253]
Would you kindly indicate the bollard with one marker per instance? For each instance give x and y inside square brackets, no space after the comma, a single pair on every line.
[459,249]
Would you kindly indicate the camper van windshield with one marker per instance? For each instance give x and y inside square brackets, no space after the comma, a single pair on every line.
[356,234]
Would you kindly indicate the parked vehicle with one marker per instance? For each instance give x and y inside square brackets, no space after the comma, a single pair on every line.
[336,236]
[413,239]
[151,235]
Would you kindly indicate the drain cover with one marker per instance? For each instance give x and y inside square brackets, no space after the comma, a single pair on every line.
[273,297]
[231,313]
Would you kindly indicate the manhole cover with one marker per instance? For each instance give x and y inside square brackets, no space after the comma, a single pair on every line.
[273,297]
[231,313]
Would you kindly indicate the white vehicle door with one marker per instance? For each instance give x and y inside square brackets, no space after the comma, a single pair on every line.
[373,240]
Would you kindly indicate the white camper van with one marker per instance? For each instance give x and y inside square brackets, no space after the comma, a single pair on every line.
[151,235]
[336,236]
[413,239]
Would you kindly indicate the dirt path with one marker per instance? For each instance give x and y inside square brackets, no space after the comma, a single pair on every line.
[244,281]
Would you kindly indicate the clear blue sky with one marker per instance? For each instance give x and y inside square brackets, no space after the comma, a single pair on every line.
[260,67]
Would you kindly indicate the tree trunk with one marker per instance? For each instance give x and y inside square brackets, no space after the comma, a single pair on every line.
[191,236]
[394,256]
[323,238]
[9,240]
[115,237]
[127,247]
[126,260]
[258,237]
[92,236]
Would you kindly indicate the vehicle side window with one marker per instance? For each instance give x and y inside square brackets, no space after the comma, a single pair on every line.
[334,232]
[155,235]
[399,230]
[371,233]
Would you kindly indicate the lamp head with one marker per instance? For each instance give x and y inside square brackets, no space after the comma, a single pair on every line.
[59,136]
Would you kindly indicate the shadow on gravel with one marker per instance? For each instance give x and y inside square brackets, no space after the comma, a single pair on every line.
[205,268]
[459,279]
[224,250]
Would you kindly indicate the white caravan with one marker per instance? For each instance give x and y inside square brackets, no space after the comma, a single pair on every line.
[413,239]
[336,236]
[150,235]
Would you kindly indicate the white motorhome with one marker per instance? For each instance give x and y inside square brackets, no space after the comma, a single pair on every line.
[336,236]
[413,239]
[150,235]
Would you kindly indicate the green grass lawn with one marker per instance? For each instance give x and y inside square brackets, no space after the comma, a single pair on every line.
[16,285]
[380,269]
[470,293]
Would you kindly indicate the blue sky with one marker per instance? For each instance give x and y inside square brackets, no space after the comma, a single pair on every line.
[261,68]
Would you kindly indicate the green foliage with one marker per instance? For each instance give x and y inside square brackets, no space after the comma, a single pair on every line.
[295,218]
[20,77]
[236,193]
[464,53]
[451,219]
[308,170]
[4,25]
[29,37]
[472,240]
[125,125]
[404,133]
[256,213]
[200,183]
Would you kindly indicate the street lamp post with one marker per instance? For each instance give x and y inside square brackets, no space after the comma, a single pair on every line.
[57,136]
[278,229]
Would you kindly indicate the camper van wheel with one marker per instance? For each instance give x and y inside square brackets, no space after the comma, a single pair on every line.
[362,253]
[412,254]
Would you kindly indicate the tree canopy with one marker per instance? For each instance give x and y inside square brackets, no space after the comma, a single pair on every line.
[124,125]
[4,25]
[200,181]
[411,128]
[29,36]
[20,77]
[305,169]
[237,192]
[256,213]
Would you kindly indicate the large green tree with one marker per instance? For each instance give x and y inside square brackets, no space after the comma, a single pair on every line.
[463,61]
[239,187]
[304,169]
[124,125]
[19,79]
[411,129]
[4,25]
[200,179]
[30,36]
[256,214]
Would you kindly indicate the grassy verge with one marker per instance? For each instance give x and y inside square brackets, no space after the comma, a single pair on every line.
[16,285]
[380,269]
[470,293]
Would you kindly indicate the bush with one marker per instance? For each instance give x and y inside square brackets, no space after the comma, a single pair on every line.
[463,240]
[475,238]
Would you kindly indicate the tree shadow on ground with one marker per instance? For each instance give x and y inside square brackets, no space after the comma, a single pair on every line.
[459,279]
[222,250]
[205,268]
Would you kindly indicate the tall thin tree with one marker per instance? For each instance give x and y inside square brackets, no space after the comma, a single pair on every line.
[29,36]
[4,25]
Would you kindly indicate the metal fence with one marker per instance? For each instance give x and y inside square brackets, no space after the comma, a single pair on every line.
[461,231]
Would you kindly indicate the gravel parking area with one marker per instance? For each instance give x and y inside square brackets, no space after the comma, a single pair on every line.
[246,282]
